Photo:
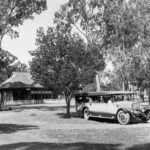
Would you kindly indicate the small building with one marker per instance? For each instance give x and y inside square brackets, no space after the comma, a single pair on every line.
[20,88]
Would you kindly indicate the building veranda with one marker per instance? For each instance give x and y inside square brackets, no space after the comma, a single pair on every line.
[20,89]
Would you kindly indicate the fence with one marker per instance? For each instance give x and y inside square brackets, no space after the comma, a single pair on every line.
[27,102]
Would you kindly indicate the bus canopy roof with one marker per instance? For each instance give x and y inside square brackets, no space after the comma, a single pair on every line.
[102,93]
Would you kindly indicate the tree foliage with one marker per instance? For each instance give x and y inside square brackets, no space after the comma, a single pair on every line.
[14,12]
[8,64]
[116,25]
[6,59]
[127,26]
[85,16]
[63,62]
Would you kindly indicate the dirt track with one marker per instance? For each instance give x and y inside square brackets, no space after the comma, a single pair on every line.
[44,126]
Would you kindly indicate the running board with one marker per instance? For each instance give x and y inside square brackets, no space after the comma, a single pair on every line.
[112,117]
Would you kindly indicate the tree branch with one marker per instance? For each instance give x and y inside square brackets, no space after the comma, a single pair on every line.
[80,31]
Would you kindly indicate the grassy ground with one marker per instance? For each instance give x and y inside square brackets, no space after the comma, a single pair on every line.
[44,127]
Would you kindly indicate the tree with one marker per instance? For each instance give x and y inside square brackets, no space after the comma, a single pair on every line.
[127,27]
[14,12]
[64,63]
[6,60]
[8,64]
[96,21]
[16,67]
[85,16]
[139,68]
[116,25]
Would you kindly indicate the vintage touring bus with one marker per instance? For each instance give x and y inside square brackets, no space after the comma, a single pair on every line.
[119,105]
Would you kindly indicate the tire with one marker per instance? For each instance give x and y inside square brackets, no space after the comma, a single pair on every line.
[86,114]
[123,117]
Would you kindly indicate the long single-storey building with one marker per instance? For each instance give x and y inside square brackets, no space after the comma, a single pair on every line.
[20,88]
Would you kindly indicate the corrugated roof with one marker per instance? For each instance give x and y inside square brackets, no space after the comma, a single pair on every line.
[20,77]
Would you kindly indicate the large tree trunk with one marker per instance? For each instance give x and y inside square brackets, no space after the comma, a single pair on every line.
[68,107]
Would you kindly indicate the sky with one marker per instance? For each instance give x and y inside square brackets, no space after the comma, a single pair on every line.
[20,46]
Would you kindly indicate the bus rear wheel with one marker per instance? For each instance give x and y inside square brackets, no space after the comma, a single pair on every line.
[123,117]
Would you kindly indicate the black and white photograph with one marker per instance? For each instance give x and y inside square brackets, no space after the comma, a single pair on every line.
[74,74]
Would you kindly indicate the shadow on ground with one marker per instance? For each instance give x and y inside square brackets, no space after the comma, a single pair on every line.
[11,128]
[114,121]
[72,115]
[140,147]
[104,120]
[75,115]
[100,120]
[70,146]
[59,146]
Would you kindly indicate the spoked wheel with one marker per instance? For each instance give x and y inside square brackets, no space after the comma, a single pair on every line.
[123,117]
[86,114]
